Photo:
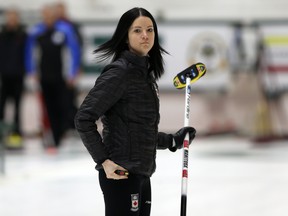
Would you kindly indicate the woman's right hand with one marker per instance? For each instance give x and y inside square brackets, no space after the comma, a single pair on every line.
[110,167]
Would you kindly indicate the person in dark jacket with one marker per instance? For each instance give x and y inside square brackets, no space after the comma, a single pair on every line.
[125,97]
[12,47]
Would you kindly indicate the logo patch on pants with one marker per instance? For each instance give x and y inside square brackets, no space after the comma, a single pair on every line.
[134,202]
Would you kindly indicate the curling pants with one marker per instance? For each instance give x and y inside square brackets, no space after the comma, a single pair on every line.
[129,197]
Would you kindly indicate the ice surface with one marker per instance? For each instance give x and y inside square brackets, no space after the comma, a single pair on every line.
[227,177]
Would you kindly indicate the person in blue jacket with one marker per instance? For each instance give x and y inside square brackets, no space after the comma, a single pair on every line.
[52,37]
[63,16]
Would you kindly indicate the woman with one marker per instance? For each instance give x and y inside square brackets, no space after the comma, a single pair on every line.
[125,96]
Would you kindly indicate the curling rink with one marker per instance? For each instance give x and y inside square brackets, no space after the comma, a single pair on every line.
[228,176]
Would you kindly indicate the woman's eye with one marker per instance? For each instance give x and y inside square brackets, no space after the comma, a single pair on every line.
[137,30]
[150,30]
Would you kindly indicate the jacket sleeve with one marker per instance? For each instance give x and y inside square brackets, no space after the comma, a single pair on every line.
[164,140]
[30,48]
[73,45]
[108,89]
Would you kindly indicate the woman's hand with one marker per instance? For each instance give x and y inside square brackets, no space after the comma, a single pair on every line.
[110,167]
[179,136]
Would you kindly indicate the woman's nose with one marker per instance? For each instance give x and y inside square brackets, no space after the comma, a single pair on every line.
[144,35]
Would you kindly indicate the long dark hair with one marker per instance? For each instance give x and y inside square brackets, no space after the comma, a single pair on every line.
[118,43]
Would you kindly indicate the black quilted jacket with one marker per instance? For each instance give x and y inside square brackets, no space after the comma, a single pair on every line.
[125,97]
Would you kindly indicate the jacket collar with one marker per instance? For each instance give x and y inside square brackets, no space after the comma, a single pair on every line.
[142,61]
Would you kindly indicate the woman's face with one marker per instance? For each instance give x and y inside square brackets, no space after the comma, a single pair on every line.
[141,36]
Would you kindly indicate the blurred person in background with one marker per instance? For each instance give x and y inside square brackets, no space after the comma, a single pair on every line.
[125,97]
[62,15]
[52,37]
[12,48]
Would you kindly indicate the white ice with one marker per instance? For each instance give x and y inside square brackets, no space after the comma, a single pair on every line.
[228,176]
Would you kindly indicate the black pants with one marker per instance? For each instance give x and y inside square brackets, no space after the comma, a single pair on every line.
[54,94]
[71,107]
[129,197]
[11,87]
